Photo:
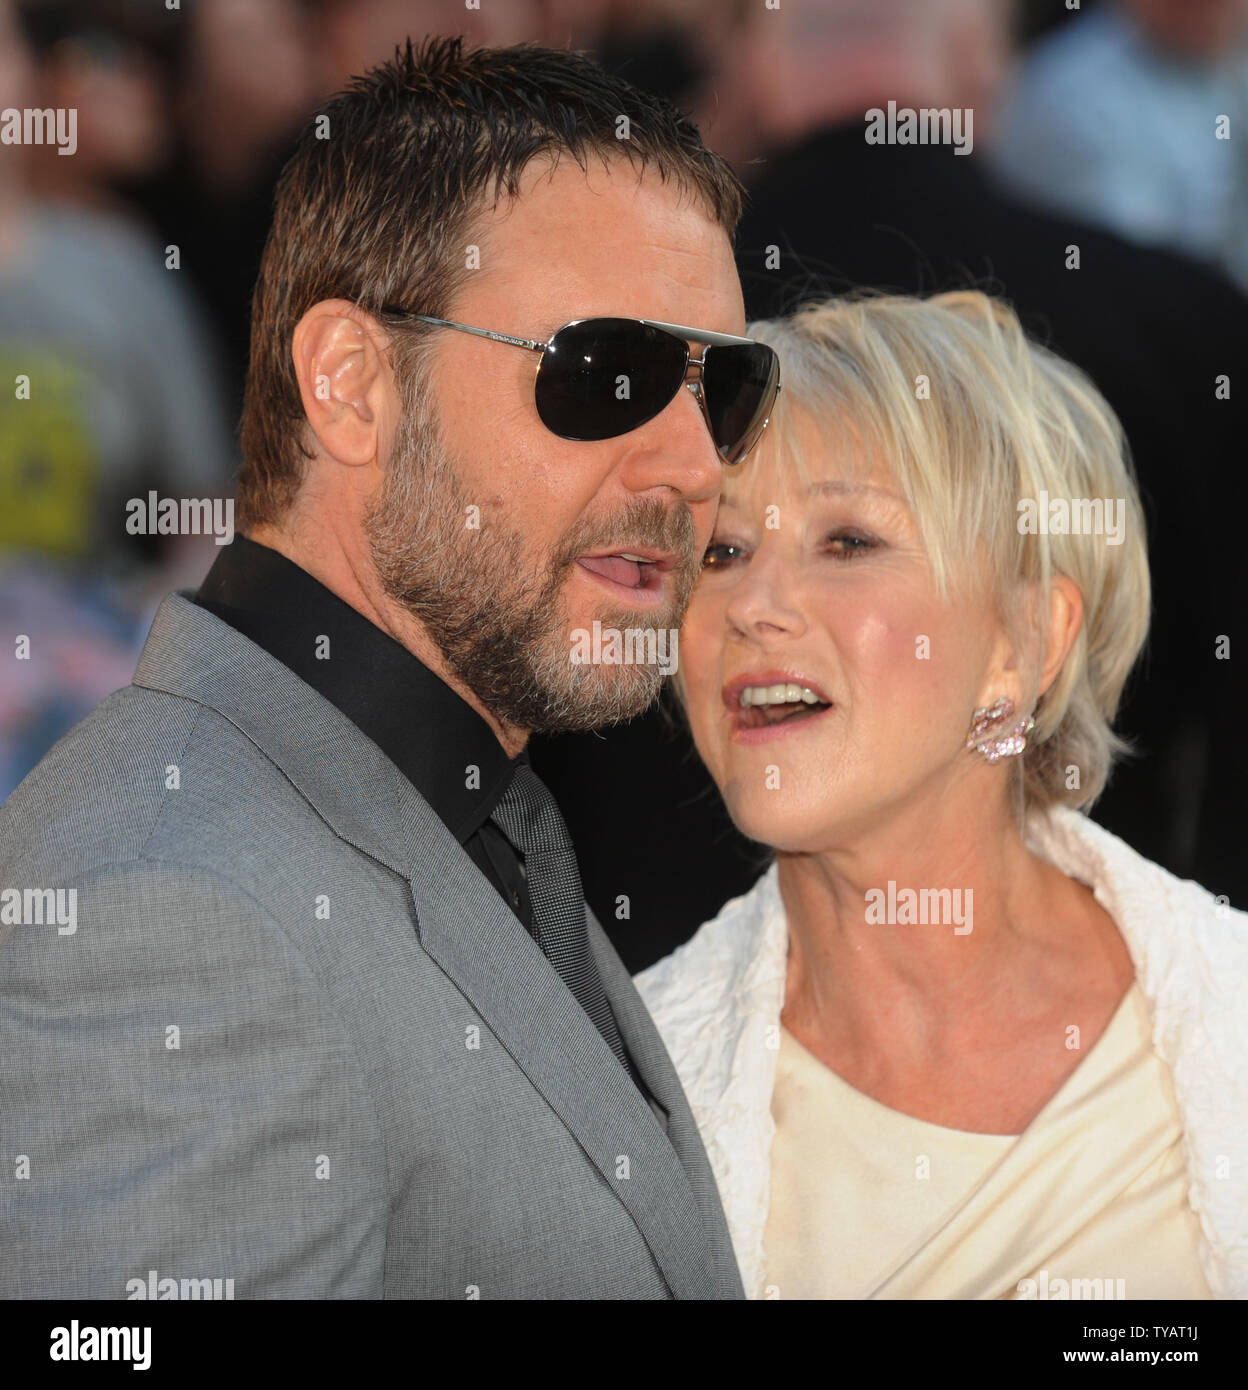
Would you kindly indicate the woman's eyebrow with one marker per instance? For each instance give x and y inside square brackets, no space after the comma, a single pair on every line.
[840,486]
[828,487]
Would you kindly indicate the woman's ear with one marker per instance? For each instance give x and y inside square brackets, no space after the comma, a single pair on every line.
[1065,620]
[1008,667]
[1004,673]
[343,379]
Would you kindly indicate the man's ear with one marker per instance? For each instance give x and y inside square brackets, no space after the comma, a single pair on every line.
[1065,620]
[344,378]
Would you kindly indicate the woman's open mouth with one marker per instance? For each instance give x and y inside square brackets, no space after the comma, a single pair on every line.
[763,711]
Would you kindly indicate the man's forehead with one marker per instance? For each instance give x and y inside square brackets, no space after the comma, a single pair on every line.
[606,240]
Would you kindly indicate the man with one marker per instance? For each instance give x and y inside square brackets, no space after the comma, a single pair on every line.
[331,1019]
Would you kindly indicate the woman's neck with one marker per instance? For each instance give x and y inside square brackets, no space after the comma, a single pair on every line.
[974,1030]
[915,929]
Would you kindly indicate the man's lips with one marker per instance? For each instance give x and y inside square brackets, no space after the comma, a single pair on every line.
[635,572]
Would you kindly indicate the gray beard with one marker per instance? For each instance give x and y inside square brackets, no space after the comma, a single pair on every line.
[499,623]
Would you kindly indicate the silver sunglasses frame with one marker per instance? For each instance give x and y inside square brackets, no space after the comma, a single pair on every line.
[693,370]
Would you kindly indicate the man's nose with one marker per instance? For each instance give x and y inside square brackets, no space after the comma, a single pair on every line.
[676,450]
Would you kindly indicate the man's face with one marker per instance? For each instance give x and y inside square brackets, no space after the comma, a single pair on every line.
[485,513]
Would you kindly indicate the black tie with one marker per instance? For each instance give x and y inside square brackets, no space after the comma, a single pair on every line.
[529,816]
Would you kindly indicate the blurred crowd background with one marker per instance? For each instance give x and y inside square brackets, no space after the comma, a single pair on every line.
[126,274]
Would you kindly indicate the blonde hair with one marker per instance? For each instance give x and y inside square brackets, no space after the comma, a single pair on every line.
[970,418]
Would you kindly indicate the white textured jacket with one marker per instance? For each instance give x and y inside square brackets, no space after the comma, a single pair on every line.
[717,1003]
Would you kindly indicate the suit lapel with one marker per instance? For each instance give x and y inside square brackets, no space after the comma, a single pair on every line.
[650,1054]
[462,923]
[498,967]
[634,1022]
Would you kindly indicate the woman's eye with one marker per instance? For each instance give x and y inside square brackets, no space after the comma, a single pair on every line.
[720,555]
[848,545]
[845,545]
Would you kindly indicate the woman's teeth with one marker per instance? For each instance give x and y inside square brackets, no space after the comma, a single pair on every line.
[761,705]
[779,695]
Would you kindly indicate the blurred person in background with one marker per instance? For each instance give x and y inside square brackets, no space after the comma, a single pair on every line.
[665,46]
[93,60]
[242,81]
[1153,329]
[112,388]
[1115,118]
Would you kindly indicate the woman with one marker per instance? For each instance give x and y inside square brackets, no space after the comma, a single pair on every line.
[958,1041]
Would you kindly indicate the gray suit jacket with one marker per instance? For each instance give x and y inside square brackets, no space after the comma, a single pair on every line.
[297,1039]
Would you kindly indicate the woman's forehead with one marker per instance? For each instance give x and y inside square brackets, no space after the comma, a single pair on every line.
[804,462]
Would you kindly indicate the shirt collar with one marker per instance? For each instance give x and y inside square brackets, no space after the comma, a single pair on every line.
[435,738]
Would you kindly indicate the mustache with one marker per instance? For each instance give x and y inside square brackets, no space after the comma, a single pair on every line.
[643,522]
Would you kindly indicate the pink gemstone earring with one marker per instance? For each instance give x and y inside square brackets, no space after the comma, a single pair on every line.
[994,748]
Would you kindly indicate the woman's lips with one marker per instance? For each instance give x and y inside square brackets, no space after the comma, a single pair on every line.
[792,700]
[784,728]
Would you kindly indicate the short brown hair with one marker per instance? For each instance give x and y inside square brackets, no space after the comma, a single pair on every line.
[370,213]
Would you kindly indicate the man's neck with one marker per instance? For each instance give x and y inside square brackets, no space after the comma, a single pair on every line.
[356,583]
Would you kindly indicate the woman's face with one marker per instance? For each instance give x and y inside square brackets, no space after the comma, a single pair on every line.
[826,585]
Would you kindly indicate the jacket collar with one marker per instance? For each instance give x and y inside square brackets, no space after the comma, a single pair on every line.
[464,926]
[385,690]
[718,999]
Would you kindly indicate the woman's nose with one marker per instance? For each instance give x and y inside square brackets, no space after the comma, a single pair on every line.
[764,603]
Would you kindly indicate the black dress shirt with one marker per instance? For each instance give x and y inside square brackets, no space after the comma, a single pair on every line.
[434,737]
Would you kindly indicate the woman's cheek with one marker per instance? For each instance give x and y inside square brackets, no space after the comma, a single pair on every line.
[876,648]
[903,641]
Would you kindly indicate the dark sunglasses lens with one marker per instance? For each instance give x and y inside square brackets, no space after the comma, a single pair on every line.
[739,386]
[603,377]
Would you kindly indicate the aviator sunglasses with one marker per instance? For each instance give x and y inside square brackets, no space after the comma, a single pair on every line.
[599,378]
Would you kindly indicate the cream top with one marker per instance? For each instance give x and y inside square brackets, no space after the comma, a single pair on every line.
[867,1202]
